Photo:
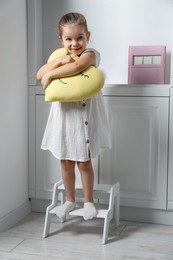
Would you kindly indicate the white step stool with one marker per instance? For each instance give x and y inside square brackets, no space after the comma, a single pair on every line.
[99,192]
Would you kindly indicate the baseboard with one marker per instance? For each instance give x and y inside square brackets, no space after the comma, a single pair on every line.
[147,215]
[15,216]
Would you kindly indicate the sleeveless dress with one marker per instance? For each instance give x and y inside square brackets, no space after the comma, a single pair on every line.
[77,130]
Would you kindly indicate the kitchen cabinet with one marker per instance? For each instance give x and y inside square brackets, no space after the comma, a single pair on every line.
[137,159]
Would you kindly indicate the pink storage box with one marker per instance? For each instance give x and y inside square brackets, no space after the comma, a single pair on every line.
[146,64]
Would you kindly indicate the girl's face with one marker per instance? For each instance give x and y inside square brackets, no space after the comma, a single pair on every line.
[74,38]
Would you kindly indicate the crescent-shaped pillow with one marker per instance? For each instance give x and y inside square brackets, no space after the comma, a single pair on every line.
[74,88]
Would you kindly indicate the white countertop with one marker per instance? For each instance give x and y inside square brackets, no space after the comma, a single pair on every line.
[136,90]
[124,90]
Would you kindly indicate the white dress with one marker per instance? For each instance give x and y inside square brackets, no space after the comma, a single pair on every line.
[76,130]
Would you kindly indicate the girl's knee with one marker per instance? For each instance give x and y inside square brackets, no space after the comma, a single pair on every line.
[83,166]
[67,165]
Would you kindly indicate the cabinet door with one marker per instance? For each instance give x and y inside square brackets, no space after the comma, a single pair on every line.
[47,166]
[138,158]
[170,169]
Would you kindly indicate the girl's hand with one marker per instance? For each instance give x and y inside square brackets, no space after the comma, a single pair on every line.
[66,59]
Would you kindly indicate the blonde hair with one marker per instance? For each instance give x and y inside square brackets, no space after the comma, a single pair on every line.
[72,18]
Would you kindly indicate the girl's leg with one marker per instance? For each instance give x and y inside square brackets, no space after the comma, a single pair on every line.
[68,176]
[87,177]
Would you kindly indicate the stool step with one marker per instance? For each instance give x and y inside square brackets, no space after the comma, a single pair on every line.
[79,212]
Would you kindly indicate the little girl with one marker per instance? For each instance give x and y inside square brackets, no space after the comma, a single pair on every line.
[75,131]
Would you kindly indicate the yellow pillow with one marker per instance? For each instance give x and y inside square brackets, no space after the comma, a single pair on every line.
[74,88]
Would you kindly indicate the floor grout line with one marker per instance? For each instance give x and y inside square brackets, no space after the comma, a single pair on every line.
[122,230]
[17,245]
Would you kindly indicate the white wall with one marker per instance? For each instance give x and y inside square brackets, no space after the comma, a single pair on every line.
[13,110]
[114,24]
[172,50]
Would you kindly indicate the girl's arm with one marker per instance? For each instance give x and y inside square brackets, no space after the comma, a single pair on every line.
[53,64]
[87,59]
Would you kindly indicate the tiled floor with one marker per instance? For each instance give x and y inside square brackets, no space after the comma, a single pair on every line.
[77,239]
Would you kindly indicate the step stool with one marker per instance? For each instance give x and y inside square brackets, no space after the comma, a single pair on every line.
[99,192]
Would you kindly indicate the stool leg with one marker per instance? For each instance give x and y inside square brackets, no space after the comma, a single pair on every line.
[47,223]
[117,209]
[117,213]
[105,230]
[49,208]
